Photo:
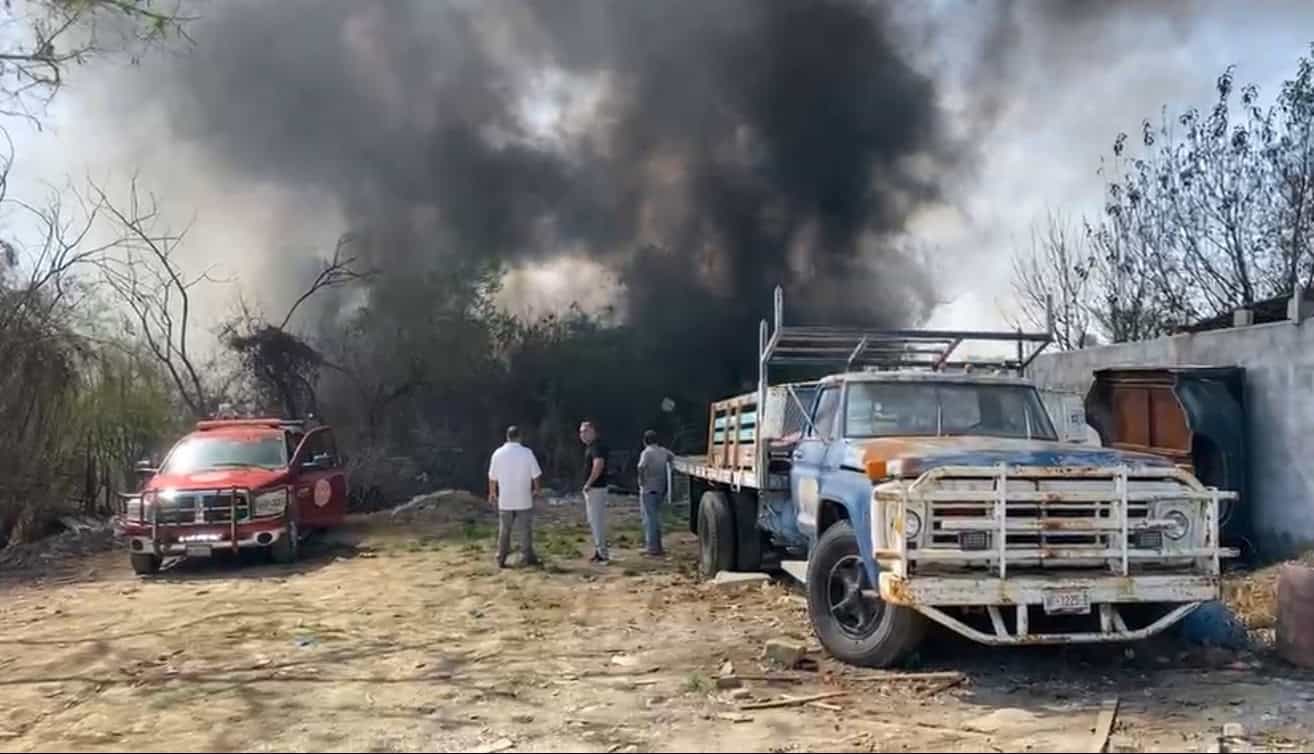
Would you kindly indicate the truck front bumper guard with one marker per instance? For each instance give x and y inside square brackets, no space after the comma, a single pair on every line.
[1103,594]
[1069,548]
[262,538]
[242,529]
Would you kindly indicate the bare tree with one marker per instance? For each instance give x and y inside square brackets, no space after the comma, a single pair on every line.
[148,281]
[42,38]
[283,366]
[1215,211]
[337,271]
[1052,279]
[1293,169]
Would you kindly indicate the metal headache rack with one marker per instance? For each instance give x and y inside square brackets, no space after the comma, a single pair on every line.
[742,427]
[857,348]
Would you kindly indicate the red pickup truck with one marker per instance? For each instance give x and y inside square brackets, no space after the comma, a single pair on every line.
[236,484]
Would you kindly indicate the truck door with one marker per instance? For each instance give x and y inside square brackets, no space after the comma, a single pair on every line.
[810,456]
[319,491]
[331,495]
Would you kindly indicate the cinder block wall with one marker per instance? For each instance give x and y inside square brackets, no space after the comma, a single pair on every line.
[1279,363]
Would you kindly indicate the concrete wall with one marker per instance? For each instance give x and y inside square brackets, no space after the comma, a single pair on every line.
[1279,363]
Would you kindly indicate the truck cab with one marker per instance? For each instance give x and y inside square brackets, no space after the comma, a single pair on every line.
[236,484]
[910,489]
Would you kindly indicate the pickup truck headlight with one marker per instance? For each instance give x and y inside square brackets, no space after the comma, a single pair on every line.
[1181,525]
[270,503]
[1179,521]
[912,524]
[132,509]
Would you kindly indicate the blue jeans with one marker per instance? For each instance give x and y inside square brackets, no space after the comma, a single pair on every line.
[650,507]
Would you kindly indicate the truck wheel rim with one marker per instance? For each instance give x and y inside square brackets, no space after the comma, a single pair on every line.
[855,614]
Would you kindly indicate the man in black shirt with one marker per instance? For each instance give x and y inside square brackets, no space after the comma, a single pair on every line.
[595,488]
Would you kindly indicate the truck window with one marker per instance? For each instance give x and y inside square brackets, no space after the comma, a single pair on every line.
[293,441]
[879,409]
[331,447]
[319,444]
[204,451]
[883,409]
[824,417]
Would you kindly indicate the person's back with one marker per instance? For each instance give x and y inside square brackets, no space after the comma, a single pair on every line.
[513,478]
[514,468]
[653,463]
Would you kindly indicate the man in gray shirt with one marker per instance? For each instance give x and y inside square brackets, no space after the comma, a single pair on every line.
[653,465]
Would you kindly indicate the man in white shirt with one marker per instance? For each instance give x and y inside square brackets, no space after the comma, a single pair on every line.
[513,481]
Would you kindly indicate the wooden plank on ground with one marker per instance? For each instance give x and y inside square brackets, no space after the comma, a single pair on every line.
[1104,725]
[792,701]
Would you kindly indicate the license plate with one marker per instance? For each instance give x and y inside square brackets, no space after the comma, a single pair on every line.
[198,551]
[1067,602]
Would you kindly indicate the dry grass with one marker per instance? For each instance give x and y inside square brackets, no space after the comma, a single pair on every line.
[1252,595]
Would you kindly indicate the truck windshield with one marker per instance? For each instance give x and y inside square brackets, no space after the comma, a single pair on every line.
[886,409]
[202,452]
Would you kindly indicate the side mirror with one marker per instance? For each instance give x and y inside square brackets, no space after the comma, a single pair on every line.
[146,467]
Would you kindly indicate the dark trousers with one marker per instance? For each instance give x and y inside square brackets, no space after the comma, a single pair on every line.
[522,520]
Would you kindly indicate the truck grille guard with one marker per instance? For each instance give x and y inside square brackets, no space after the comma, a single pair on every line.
[1065,517]
[199,508]
[1098,517]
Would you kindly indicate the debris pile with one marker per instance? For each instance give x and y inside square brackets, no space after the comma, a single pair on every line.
[447,500]
[82,535]
[555,498]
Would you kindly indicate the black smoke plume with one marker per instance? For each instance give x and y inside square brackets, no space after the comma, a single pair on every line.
[703,152]
[740,143]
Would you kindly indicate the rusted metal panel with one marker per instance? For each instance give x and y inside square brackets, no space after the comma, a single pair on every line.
[970,590]
[1169,431]
[1148,417]
[1194,416]
[1295,614]
[1054,556]
[1131,406]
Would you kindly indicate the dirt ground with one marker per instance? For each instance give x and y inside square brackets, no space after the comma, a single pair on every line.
[397,633]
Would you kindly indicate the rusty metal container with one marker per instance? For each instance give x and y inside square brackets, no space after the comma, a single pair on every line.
[1194,416]
[1295,614]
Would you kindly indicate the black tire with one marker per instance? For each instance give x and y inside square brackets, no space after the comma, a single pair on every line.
[696,491]
[286,549]
[144,563]
[748,540]
[855,629]
[716,535]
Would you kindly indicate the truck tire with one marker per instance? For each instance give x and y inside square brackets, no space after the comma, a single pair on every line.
[716,535]
[748,540]
[285,549]
[855,629]
[696,492]
[144,563]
